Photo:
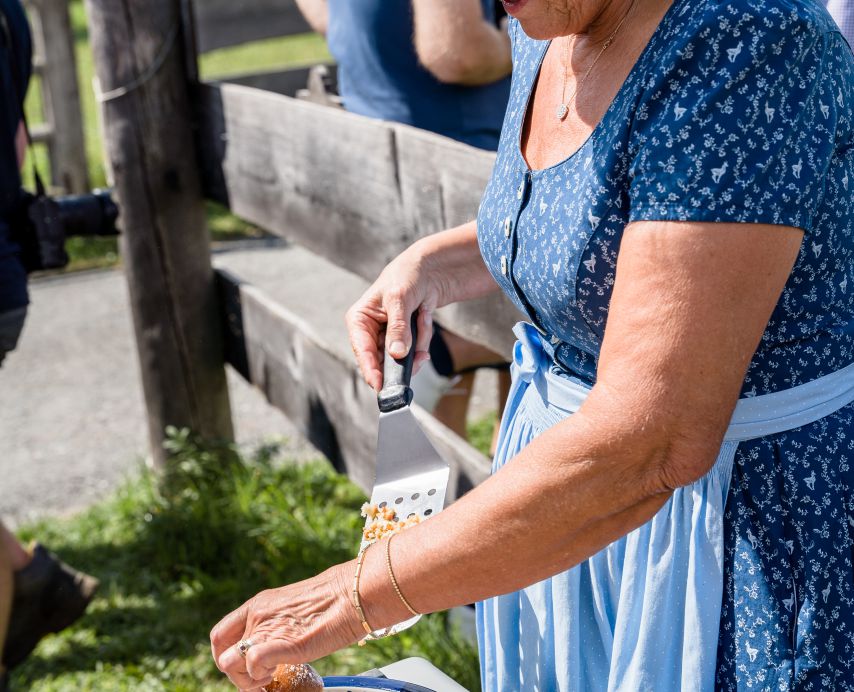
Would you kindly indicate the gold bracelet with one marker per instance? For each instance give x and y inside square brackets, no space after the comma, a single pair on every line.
[357,601]
[391,576]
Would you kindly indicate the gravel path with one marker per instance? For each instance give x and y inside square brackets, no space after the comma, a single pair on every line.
[72,423]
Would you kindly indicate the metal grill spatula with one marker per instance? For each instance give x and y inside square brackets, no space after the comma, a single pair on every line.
[411,475]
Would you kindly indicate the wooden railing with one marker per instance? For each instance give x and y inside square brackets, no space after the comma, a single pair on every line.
[357,192]
[55,64]
[353,190]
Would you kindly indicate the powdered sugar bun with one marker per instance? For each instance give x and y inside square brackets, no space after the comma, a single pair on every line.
[291,678]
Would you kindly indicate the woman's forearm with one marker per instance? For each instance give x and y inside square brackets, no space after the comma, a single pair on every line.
[572,491]
[454,261]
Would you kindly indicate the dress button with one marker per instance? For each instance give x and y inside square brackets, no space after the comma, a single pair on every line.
[521,189]
[504,265]
[508,226]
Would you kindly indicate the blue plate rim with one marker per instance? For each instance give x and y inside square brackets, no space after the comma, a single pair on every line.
[362,682]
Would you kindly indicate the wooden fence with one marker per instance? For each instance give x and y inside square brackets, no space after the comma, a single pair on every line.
[357,192]
[56,66]
[353,190]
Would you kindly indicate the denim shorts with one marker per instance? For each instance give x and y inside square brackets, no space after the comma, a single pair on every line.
[11,325]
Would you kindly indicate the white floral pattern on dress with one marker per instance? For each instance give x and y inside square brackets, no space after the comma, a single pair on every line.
[737,111]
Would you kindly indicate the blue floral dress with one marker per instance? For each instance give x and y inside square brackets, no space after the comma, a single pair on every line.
[736,111]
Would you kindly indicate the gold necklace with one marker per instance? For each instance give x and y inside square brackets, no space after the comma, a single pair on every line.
[562,109]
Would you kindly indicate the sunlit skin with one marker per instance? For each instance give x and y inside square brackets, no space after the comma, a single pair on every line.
[673,357]
[548,19]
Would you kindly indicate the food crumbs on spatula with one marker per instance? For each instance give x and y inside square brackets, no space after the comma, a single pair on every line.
[384,522]
[295,678]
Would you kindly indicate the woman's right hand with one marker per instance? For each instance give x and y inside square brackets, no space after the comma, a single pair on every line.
[436,270]
[379,321]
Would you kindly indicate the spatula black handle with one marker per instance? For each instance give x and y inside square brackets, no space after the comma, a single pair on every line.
[397,373]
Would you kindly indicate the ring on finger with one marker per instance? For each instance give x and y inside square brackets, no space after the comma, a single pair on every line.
[243,646]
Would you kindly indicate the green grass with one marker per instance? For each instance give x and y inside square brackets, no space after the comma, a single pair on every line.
[262,56]
[174,557]
[258,56]
[225,226]
[480,432]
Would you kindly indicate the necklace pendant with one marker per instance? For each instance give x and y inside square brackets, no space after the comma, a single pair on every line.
[561,111]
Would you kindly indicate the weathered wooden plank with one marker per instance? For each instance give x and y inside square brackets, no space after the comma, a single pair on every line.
[222,23]
[165,243]
[61,95]
[319,388]
[354,190]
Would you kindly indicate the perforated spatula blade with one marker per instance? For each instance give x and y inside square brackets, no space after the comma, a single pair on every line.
[411,475]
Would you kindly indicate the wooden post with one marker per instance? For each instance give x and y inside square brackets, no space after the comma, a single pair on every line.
[138,47]
[61,95]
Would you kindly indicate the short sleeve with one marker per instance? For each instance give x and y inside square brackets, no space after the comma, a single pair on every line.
[741,126]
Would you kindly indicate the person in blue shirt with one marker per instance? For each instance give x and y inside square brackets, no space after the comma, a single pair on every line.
[38,593]
[442,66]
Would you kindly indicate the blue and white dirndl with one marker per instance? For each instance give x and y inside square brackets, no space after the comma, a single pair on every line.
[643,613]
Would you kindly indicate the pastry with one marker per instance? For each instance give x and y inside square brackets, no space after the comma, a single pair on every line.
[291,678]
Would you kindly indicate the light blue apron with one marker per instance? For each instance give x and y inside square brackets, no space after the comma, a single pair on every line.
[643,613]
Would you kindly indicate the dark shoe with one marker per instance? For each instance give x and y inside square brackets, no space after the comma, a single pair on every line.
[49,596]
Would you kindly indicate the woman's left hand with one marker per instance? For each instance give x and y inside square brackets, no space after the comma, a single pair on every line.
[292,624]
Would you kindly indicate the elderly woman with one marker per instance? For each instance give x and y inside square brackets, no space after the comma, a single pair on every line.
[673,496]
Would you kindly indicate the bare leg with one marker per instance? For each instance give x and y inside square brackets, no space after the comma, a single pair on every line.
[466,354]
[17,556]
[453,407]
